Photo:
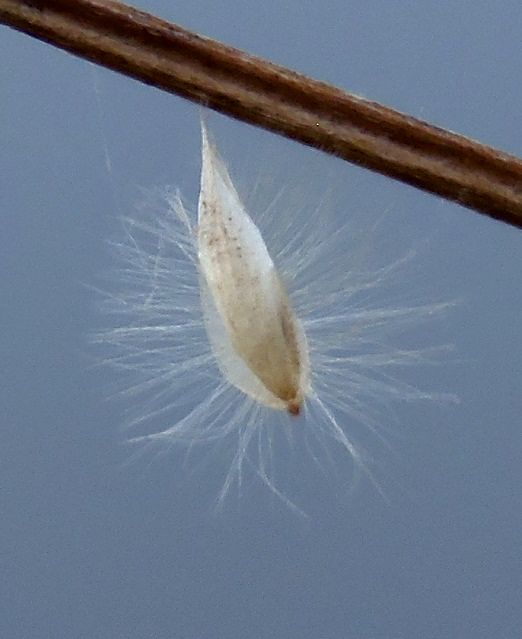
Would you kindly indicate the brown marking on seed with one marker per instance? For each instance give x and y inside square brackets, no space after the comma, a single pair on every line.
[293,407]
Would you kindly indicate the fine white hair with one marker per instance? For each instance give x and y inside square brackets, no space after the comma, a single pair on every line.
[189,373]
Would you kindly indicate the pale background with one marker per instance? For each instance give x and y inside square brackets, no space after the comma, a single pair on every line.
[90,548]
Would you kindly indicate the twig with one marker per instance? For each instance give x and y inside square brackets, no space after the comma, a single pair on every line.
[250,89]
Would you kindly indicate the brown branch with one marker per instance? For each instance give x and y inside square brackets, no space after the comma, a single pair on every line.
[250,89]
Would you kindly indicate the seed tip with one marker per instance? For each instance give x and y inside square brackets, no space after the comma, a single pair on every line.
[293,407]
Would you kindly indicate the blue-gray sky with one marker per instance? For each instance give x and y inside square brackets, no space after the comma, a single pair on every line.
[93,548]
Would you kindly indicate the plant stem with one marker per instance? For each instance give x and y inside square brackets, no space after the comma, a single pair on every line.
[256,91]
